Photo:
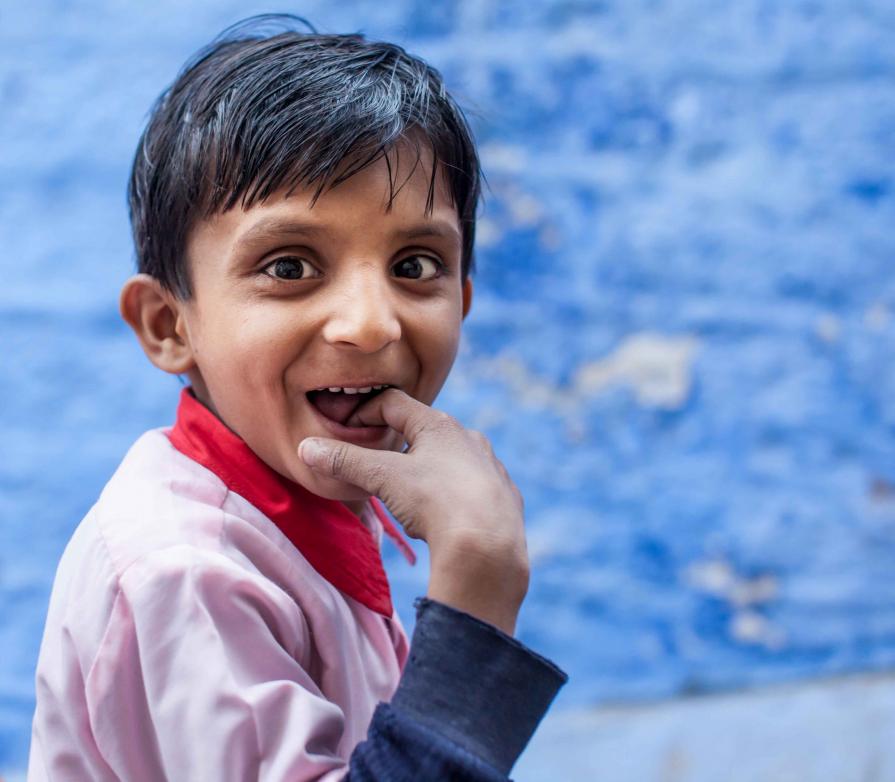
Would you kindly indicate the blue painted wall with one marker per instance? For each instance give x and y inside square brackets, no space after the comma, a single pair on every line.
[681,344]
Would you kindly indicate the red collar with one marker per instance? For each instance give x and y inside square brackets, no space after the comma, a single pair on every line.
[328,535]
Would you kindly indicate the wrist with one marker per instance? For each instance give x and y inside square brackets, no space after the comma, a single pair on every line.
[501,615]
[487,586]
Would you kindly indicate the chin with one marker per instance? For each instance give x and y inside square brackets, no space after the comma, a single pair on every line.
[328,488]
[331,489]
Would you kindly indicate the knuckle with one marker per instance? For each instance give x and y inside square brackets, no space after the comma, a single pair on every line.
[478,436]
[438,423]
[338,459]
[444,419]
[347,465]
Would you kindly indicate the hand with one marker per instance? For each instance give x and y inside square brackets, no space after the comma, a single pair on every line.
[449,489]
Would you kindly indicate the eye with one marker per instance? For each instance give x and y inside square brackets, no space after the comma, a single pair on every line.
[418,267]
[291,267]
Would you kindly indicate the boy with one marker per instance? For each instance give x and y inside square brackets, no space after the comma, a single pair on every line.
[303,210]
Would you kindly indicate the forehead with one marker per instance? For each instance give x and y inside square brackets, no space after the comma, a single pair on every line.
[384,200]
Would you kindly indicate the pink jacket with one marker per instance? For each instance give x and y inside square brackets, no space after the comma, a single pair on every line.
[195,624]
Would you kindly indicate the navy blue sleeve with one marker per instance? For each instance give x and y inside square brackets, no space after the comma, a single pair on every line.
[468,702]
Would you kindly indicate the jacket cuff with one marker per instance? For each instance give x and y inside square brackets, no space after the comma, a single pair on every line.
[475,684]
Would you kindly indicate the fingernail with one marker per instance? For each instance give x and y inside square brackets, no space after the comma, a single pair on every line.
[311,451]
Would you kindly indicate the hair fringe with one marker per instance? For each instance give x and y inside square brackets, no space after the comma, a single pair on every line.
[268,106]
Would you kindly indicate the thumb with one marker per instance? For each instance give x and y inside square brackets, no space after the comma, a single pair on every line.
[367,468]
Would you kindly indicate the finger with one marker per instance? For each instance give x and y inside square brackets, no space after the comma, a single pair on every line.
[367,468]
[398,410]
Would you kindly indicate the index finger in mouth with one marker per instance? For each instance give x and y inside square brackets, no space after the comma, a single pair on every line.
[396,409]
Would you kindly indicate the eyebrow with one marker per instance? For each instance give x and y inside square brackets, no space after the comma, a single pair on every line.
[438,229]
[274,229]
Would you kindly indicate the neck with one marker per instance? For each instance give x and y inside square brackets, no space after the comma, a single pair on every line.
[355,506]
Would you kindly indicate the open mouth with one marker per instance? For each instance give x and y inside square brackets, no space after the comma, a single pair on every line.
[339,404]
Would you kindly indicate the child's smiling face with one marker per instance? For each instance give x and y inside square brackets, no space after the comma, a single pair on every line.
[289,299]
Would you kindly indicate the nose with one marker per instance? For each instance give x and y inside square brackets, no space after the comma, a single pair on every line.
[363,314]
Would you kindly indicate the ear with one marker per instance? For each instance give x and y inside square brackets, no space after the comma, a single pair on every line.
[467,296]
[156,316]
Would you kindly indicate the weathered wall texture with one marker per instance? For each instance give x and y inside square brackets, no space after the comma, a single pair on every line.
[681,344]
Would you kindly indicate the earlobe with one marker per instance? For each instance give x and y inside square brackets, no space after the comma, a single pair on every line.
[467,296]
[155,315]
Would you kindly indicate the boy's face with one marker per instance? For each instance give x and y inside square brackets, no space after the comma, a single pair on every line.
[288,299]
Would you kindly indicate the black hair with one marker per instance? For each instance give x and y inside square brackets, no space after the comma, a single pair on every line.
[266,107]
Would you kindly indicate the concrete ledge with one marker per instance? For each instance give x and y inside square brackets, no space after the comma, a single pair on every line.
[834,730]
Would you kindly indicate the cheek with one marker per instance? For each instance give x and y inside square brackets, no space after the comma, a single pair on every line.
[437,349]
[248,347]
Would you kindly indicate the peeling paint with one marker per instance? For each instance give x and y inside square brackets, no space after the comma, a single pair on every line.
[657,368]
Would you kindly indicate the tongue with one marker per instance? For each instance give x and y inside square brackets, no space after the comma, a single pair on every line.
[337,405]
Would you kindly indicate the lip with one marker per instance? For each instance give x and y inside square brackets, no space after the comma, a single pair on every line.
[369,436]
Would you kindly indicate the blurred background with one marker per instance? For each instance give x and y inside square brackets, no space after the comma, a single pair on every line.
[681,346]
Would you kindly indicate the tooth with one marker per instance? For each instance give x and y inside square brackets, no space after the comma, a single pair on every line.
[376,388]
[365,390]
[335,389]
[350,390]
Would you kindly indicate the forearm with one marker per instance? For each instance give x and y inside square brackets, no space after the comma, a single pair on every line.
[468,702]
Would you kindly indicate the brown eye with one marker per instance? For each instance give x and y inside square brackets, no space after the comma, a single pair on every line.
[417,267]
[290,267]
